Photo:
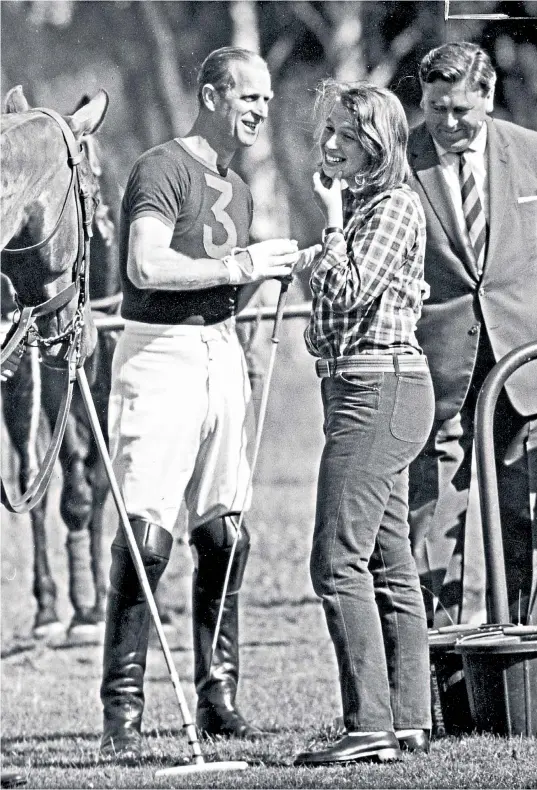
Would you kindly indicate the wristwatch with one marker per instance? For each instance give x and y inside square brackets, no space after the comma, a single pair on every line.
[328,232]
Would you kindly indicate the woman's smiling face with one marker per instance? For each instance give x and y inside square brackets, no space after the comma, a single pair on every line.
[341,149]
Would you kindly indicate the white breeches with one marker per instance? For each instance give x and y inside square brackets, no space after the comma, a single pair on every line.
[177,421]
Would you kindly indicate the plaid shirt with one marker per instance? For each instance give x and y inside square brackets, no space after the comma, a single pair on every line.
[367,287]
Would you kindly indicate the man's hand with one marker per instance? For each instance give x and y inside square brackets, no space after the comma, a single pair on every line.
[262,261]
[306,257]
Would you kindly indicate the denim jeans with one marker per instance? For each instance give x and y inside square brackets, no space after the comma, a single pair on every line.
[361,563]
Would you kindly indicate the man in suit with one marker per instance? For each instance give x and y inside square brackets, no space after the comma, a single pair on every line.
[477,179]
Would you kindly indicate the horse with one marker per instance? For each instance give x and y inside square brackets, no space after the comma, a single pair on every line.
[49,193]
[45,203]
[85,484]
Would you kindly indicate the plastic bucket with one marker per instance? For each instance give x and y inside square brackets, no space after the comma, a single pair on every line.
[500,671]
[450,704]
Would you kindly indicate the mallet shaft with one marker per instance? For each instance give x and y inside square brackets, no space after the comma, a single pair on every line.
[188,724]
[285,283]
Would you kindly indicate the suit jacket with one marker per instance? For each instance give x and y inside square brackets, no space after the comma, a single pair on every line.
[504,300]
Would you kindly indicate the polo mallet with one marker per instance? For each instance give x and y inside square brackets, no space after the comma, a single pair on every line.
[198,763]
[284,287]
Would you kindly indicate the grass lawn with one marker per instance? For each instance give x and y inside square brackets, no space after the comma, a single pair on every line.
[51,714]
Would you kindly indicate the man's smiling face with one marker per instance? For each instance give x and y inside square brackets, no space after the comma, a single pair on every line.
[454,113]
[244,107]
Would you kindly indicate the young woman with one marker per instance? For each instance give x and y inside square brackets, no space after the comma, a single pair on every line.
[378,406]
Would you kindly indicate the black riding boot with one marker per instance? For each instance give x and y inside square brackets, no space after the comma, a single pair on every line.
[126,639]
[216,681]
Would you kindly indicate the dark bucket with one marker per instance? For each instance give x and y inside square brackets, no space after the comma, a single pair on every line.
[500,670]
[450,705]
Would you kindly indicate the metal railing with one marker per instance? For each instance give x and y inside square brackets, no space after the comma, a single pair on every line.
[487,476]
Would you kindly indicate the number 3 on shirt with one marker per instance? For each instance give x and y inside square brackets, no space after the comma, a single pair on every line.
[226,190]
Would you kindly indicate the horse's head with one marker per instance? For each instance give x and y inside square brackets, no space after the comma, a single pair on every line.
[48,200]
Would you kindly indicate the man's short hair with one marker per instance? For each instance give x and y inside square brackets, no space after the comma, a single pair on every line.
[215,68]
[458,61]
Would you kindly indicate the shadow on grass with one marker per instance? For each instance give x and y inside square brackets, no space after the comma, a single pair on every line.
[273,603]
[207,740]
[271,642]
[72,645]
[95,761]
[50,737]
[15,648]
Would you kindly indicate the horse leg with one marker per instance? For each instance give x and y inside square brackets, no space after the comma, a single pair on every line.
[76,512]
[47,626]
[98,372]
[21,403]
[100,488]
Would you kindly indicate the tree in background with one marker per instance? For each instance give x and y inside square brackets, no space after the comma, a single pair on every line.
[147,54]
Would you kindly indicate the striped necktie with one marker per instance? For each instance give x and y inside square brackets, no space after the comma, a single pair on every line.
[473,212]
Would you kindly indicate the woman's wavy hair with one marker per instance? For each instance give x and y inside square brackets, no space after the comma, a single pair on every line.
[381,127]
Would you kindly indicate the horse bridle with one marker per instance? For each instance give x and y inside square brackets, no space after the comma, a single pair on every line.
[17,339]
[24,323]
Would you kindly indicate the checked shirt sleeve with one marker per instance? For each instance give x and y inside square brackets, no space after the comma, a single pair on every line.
[352,280]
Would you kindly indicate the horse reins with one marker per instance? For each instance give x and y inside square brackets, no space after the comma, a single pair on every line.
[24,324]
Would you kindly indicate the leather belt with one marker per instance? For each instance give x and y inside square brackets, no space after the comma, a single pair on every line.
[369,363]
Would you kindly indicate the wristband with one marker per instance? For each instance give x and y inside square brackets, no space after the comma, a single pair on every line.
[233,269]
[240,269]
[328,232]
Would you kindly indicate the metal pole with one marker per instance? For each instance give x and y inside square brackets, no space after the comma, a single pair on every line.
[188,724]
[198,764]
[260,423]
[116,322]
[487,476]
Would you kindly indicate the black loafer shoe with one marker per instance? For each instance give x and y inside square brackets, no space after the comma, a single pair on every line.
[379,747]
[416,742]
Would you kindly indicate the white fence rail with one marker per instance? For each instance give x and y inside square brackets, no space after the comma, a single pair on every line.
[114,322]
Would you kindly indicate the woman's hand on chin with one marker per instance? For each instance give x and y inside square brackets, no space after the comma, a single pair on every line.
[327,193]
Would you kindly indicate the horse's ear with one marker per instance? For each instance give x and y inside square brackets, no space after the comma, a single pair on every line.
[15,100]
[90,116]
[82,103]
